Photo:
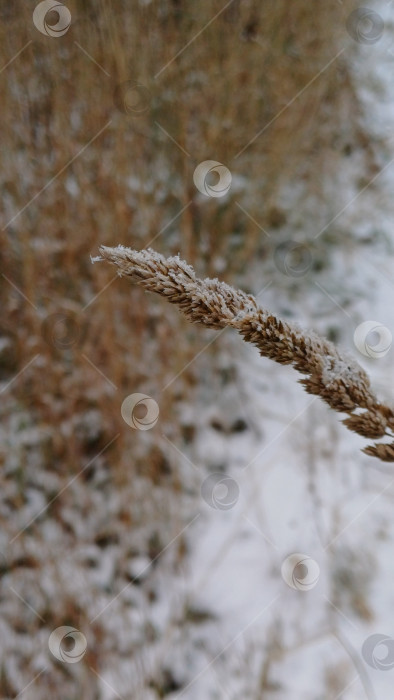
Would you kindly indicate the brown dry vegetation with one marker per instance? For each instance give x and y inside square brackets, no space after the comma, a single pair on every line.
[213,99]
[338,379]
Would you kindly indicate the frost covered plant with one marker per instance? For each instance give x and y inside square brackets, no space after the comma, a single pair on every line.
[329,373]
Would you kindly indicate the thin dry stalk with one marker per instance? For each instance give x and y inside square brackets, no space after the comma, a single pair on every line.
[333,375]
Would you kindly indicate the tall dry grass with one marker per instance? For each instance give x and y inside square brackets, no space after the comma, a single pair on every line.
[133,180]
[332,374]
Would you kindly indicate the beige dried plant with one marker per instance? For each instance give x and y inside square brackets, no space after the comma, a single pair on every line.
[331,374]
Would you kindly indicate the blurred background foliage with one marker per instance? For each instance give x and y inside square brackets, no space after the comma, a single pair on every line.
[88,159]
[134,182]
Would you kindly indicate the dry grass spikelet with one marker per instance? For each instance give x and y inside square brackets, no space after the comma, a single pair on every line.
[370,424]
[384,452]
[333,375]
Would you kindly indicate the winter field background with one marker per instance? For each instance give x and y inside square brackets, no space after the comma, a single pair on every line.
[242,546]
